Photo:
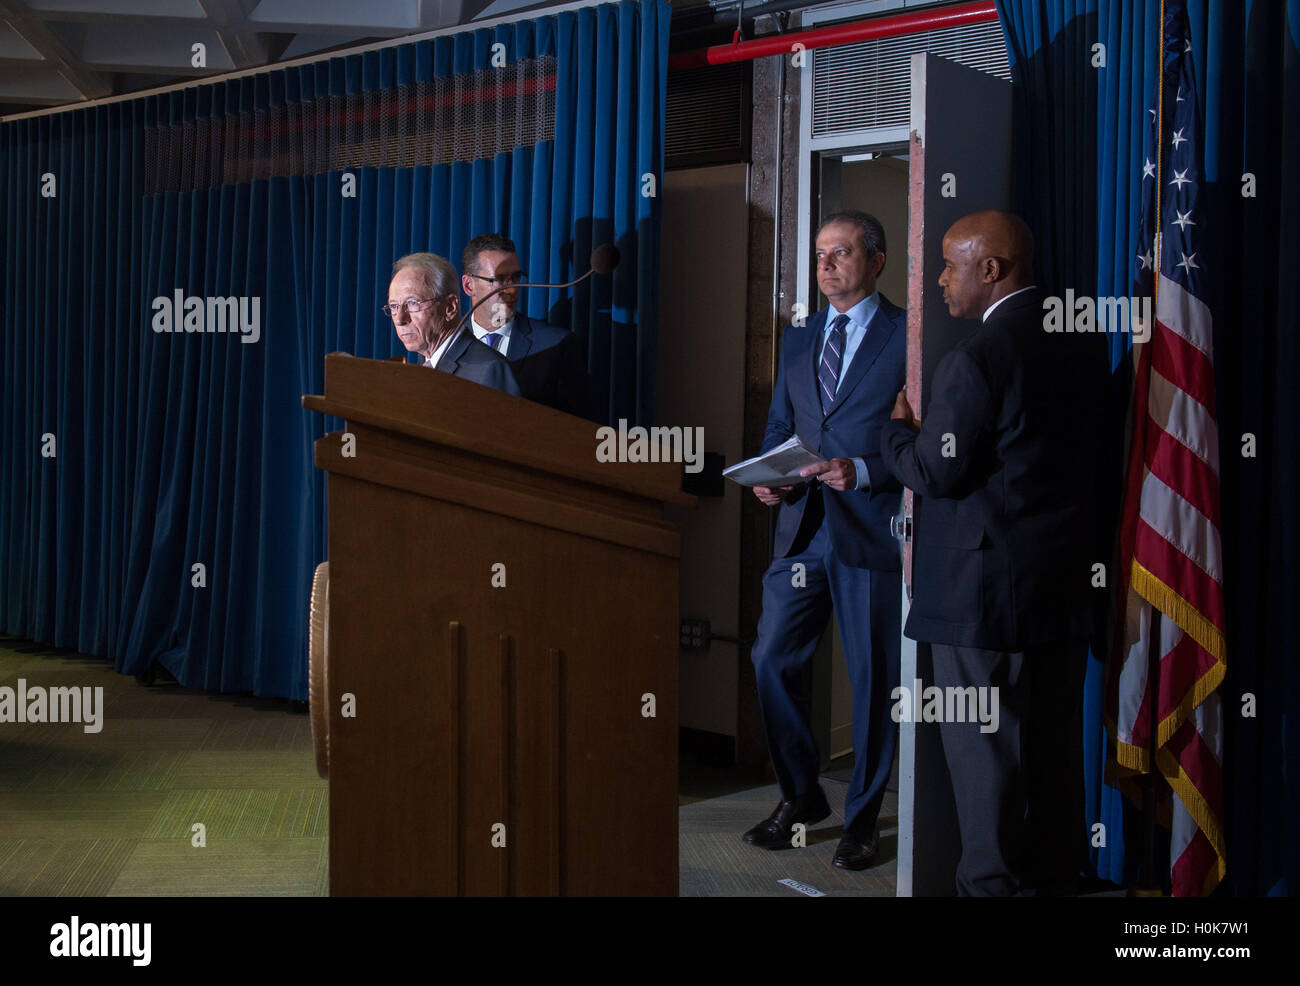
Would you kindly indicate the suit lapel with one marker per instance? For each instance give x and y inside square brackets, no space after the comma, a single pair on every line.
[451,358]
[879,331]
[521,337]
[803,382]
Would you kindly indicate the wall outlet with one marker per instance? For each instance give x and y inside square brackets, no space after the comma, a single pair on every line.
[694,636]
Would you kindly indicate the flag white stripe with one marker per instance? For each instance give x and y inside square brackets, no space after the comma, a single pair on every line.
[1182,525]
[1186,315]
[1133,673]
[1185,418]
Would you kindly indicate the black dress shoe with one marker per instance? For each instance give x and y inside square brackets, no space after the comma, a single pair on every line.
[855,853]
[775,831]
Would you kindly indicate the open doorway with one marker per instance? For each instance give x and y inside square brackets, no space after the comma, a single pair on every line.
[873,181]
[870,179]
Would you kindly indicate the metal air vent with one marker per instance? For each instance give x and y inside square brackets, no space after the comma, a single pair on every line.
[865,85]
[707,118]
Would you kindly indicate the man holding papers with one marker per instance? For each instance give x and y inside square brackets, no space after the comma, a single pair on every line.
[835,388]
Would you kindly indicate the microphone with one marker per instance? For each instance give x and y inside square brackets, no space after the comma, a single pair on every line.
[604,258]
[603,261]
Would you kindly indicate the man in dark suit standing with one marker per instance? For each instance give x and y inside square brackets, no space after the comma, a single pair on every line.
[1000,575]
[835,385]
[424,305]
[548,361]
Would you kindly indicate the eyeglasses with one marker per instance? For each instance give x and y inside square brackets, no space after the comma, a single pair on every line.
[505,281]
[414,305]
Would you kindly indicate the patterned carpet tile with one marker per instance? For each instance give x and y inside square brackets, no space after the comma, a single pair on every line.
[250,813]
[269,732]
[56,767]
[248,768]
[715,862]
[89,815]
[73,868]
[238,868]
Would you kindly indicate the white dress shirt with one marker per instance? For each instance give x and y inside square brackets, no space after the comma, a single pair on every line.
[860,316]
[503,332]
[989,310]
[432,361]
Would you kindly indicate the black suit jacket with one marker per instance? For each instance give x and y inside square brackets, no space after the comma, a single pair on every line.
[550,365]
[467,357]
[1000,554]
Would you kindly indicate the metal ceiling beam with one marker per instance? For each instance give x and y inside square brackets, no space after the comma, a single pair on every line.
[30,26]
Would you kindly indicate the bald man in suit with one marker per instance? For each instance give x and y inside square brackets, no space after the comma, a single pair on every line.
[1000,566]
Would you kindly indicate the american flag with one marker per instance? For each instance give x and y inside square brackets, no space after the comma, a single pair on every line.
[1171,562]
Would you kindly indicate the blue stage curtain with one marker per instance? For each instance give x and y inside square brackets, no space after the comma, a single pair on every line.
[175,450]
[1079,155]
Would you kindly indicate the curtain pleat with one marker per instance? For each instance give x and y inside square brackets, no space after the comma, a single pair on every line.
[181,517]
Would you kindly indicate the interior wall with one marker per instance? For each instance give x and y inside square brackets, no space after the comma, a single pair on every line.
[879,187]
[701,383]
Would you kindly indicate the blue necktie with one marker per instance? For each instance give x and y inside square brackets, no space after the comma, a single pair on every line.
[491,338]
[828,371]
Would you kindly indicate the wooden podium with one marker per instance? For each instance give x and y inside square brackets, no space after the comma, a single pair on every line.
[502,612]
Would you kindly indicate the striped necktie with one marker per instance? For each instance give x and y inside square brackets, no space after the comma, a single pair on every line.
[828,371]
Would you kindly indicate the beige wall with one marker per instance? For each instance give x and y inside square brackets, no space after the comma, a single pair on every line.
[880,188]
[703,277]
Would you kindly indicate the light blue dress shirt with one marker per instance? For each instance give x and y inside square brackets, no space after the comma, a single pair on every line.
[860,316]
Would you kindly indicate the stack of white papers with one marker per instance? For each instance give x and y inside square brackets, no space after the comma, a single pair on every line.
[779,467]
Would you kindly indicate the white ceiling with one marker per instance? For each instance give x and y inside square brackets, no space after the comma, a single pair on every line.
[54,52]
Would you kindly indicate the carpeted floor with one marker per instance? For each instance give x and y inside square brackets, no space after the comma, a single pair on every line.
[113,813]
[716,863]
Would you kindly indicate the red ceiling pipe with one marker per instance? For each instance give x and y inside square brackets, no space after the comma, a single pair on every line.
[892,26]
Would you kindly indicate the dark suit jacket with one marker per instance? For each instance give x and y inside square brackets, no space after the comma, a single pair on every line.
[467,357]
[858,519]
[550,365]
[999,550]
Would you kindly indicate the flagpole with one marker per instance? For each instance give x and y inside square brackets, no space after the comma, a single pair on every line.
[1160,157]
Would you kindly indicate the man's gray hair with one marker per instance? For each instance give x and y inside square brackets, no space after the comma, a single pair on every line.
[873,234]
[440,277]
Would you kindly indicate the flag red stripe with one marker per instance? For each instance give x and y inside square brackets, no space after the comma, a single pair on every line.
[1179,572]
[1182,470]
[1183,365]
[1188,872]
[1128,535]
[1199,763]
[1180,670]
[1141,725]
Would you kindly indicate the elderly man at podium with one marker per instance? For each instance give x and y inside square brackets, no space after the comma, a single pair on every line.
[424,302]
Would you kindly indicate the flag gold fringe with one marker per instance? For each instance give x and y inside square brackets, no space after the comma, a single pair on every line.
[1198,693]
[1209,824]
[1189,619]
